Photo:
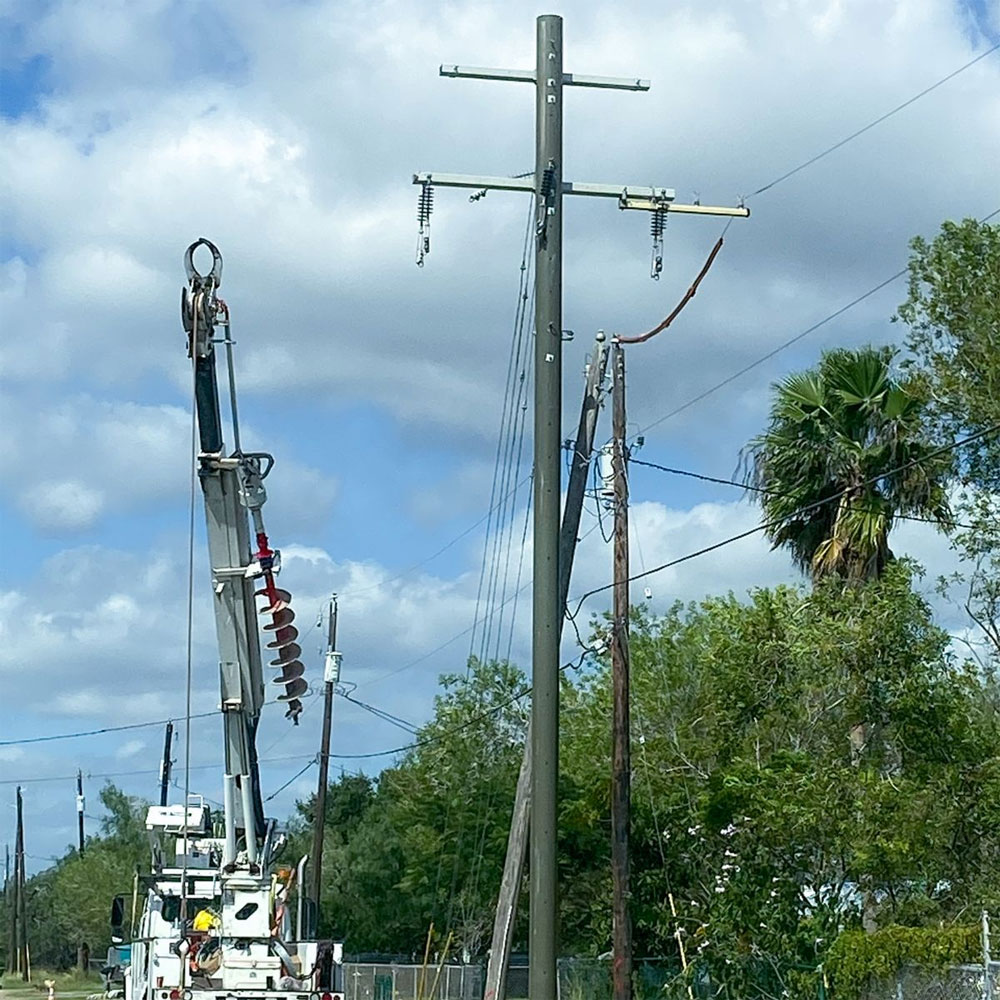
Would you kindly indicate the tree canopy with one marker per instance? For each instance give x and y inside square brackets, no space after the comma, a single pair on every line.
[845,453]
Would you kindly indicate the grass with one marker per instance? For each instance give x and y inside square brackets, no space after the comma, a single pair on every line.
[71,981]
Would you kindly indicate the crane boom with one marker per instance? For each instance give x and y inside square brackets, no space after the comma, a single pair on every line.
[240,557]
[217,920]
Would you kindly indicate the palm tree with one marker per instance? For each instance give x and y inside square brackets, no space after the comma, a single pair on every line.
[838,432]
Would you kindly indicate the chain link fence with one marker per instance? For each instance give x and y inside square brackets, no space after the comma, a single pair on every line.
[964,982]
[392,981]
[654,979]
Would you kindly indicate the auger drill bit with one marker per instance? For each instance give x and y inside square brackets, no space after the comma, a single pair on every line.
[286,649]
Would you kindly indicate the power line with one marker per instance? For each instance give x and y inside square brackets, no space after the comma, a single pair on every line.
[444,548]
[135,773]
[788,343]
[777,493]
[298,774]
[872,124]
[428,741]
[110,729]
[380,713]
[454,638]
[95,732]
[797,513]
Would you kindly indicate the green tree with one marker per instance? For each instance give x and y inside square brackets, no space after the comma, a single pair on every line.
[69,904]
[749,807]
[834,431]
[953,314]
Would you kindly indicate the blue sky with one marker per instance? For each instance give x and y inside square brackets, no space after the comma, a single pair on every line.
[287,133]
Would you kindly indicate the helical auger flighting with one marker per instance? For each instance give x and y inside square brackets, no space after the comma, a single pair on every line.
[286,651]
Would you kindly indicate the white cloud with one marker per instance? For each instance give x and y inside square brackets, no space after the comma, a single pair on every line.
[66,505]
[243,128]
[130,749]
[309,199]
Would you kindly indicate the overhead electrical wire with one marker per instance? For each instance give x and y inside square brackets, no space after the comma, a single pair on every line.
[298,774]
[788,343]
[380,713]
[677,410]
[777,493]
[510,440]
[872,124]
[95,732]
[944,449]
[135,773]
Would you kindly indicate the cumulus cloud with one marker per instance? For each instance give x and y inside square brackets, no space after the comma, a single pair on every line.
[151,129]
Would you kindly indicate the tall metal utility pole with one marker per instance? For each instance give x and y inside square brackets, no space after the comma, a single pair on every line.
[331,677]
[81,804]
[510,883]
[166,763]
[548,187]
[546,612]
[22,909]
[621,763]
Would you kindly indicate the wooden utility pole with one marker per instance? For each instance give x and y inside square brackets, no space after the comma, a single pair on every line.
[621,764]
[510,883]
[81,804]
[166,763]
[331,677]
[10,899]
[22,914]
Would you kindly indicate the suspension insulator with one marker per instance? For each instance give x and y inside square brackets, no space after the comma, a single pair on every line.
[425,205]
[657,224]
[283,642]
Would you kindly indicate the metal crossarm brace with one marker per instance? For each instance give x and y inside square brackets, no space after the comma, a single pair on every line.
[633,196]
[528,76]
[618,191]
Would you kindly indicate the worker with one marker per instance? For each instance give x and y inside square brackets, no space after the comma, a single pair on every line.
[205,920]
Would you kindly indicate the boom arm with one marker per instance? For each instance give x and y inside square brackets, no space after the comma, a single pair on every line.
[233,489]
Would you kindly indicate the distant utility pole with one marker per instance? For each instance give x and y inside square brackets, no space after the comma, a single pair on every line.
[81,804]
[331,677]
[22,916]
[166,763]
[10,900]
[621,763]
[548,187]
[510,883]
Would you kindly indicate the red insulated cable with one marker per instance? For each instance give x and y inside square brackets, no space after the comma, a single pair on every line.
[688,295]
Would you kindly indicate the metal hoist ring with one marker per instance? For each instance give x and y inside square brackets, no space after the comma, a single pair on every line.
[200,296]
[195,278]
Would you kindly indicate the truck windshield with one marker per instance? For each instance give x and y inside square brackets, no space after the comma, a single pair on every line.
[172,907]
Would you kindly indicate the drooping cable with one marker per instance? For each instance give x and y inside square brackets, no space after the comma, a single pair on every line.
[711,390]
[688,296]
[518,438]
[764,491]
[514,388]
